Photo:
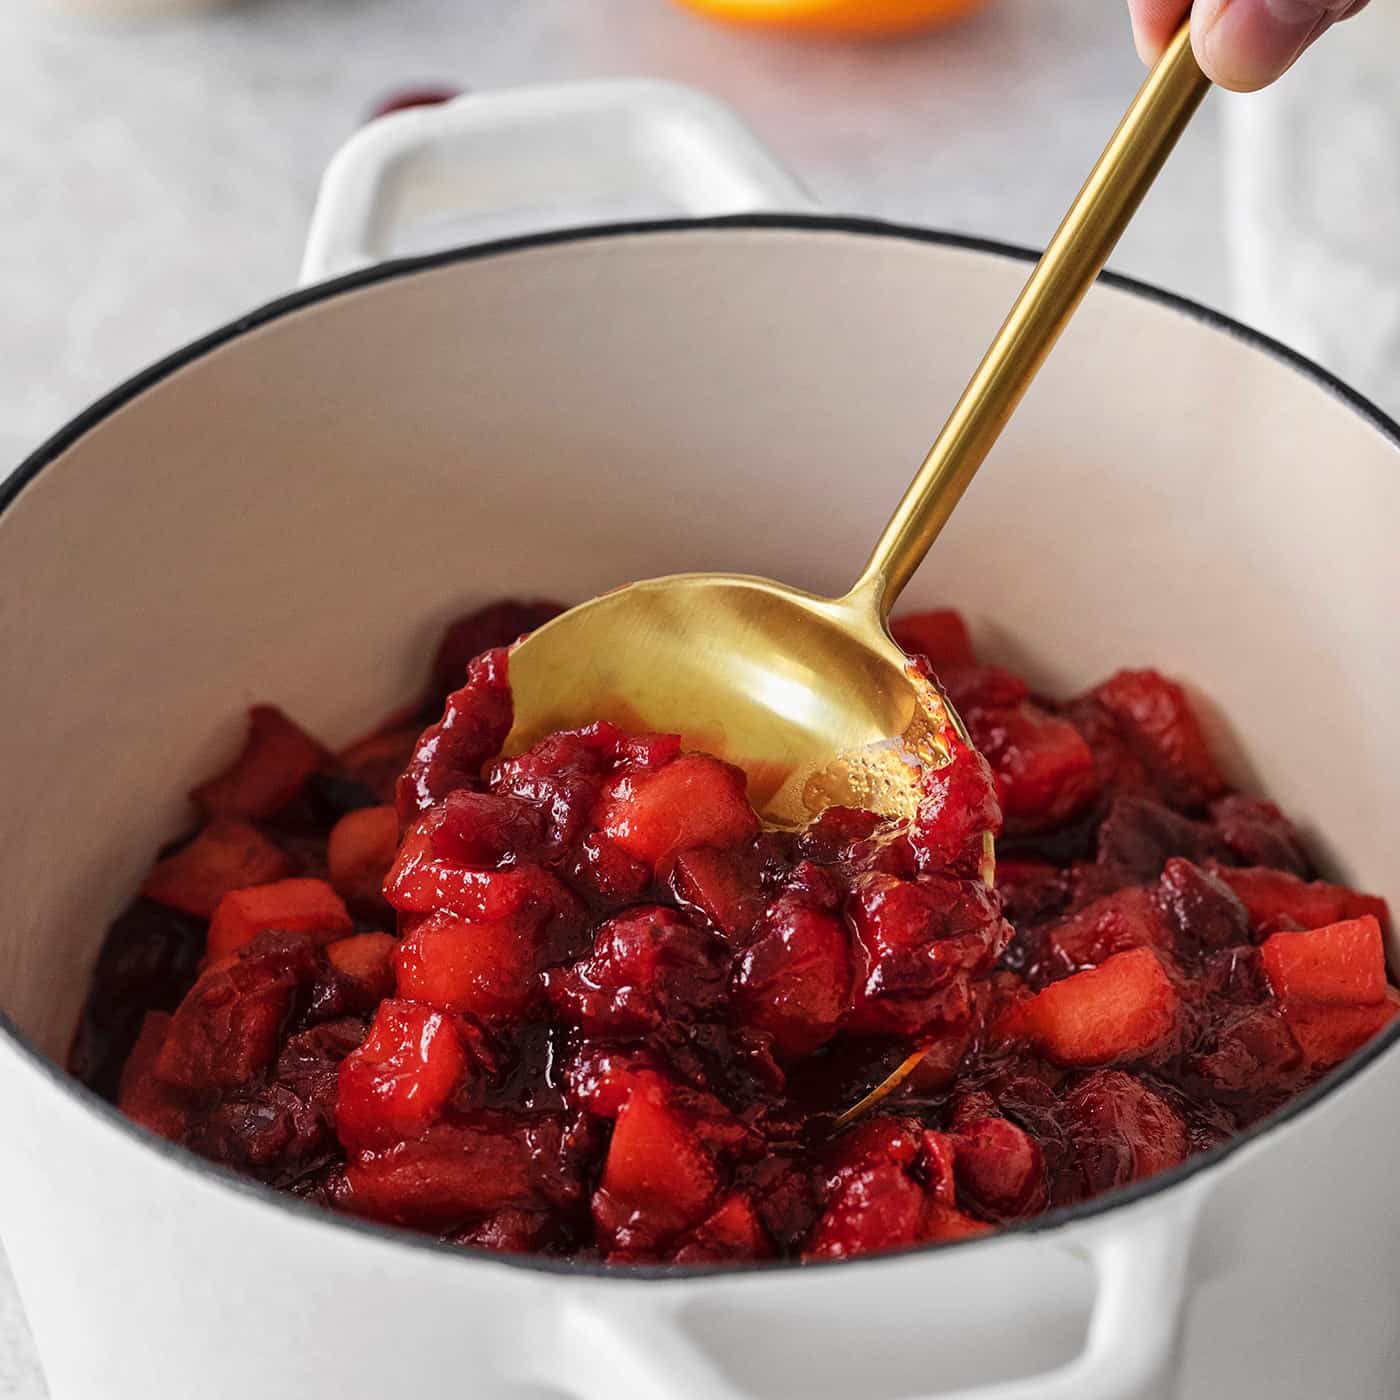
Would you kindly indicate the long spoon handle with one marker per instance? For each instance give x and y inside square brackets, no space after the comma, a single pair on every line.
[1075,257]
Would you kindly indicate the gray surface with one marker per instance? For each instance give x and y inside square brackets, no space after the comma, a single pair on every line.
[158,179]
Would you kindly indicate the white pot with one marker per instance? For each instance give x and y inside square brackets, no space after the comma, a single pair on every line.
[290,508]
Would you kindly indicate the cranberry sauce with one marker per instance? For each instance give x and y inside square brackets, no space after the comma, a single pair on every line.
[580,1001]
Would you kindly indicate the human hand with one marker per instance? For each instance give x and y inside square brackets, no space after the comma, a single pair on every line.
[1241,44]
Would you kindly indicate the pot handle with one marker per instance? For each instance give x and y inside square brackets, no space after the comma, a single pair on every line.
[1140,1258]
[488,153]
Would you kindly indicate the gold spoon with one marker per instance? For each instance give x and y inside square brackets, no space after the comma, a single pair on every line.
[810,695]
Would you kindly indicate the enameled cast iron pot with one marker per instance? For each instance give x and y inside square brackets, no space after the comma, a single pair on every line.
[289,509]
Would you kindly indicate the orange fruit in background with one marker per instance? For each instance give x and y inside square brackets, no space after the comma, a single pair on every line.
[849,17]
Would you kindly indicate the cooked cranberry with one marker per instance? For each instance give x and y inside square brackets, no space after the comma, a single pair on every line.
[509,1232]
[604,873]
[920,943]
[602,1077]
[731,1232]
[973,688]
[725,886]
[1000,1169]
[648,966]
[498,624]
[1031,890]
[472,729]
[1044,771]
[876,1141]
[1251,1049]
[430,96]
[286,1127]
[959,807]
[839,833]
[1158,724]
[485,830]
[1203,909]
[310,1062]
[561,778]
[1257,833]
[453,1172]
[877,1208]
[1234,974]
[227,1030]
[1138,836]
[148,962]
[940,635]
[794,979]
[1129,918]
[1122,1130]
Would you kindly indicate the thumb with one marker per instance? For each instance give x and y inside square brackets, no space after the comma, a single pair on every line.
[1246,44]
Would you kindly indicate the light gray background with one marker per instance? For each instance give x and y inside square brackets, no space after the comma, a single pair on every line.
[157,179]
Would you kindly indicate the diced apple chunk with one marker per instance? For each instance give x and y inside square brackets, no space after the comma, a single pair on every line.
[657,1179]
[278,757]
[1272,896]
[394,1085]
[1342,964]
[1122,1010]
[939,634]
[1329,1034]
[695,801]
[368,960]
[229,854]
[485,968]
[289,906]
[359,852]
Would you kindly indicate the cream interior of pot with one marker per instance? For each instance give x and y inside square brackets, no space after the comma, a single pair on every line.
[293,516]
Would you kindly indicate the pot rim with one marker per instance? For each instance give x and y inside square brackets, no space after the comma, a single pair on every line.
[1122,1197]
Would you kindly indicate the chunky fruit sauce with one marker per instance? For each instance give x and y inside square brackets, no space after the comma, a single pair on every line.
[581,1002]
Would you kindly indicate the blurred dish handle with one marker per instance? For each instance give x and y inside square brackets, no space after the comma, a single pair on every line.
[137,9]
[1313,176]
[609,143]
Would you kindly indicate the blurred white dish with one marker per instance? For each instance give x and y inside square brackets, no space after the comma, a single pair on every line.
[136,9]
[1313,174]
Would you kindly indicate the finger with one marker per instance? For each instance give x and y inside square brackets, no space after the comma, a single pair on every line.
[1154,22]
[1246,44]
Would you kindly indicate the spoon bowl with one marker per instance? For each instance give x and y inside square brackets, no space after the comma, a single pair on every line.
[808,695]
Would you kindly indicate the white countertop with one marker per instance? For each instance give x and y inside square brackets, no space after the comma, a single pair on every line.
[158,178]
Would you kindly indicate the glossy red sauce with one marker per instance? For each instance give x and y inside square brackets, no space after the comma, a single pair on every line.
[581,1002]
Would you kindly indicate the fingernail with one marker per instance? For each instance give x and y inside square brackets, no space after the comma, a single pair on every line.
[1245,44]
